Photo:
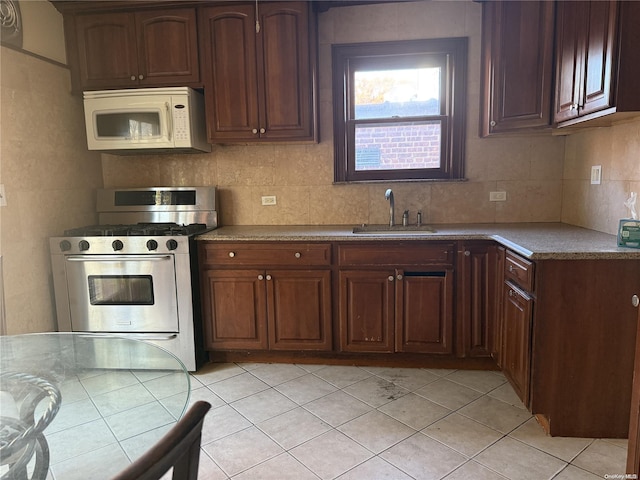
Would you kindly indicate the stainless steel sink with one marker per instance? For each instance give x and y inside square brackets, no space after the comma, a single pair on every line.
[395,230]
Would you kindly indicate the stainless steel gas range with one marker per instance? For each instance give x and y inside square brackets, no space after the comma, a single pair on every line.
[135,273]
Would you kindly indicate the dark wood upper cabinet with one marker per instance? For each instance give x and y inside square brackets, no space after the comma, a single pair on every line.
[597,61]
[133,49]
[259,82]
[517,66]
[168,46]
[106,48]
[585,43]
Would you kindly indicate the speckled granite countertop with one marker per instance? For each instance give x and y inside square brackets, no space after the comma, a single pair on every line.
[537,241]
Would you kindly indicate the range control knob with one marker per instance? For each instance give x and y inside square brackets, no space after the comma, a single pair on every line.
[117,245]
[172,244]
[65,245]
[152,245]
[83,245]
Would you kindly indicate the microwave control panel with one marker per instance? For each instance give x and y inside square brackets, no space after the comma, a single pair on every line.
[180,122]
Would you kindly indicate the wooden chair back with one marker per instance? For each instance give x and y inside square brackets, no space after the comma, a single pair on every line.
[178,448]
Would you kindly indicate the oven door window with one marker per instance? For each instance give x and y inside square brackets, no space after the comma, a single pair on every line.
[122,293]
[121,289]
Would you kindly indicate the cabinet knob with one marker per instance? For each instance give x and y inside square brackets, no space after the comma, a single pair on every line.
[133,77]
[254,131]
[390,278]
[511,293]
[510,268]
[260,277]
[467,253]
[492,123]
[268,277]
[399,276]
[140,77]
[635,301]
[232,254]
[297,254]
[262,130]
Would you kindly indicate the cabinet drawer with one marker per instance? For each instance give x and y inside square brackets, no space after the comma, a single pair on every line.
[519,270]
[266,254]
[395,254]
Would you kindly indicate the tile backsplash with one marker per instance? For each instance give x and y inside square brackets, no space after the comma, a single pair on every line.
[617,150]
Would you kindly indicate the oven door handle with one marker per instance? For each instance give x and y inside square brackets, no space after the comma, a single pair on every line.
[93,258]
[138,336]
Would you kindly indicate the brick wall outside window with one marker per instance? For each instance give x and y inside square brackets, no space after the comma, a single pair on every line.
[398,147]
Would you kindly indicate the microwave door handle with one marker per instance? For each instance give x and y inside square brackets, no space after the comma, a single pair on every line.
[169,120]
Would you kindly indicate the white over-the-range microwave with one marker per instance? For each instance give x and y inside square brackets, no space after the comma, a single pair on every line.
[146,120]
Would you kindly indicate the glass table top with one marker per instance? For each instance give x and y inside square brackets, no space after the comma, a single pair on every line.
[84,405]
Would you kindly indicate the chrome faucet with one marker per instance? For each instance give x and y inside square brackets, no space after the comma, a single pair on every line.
[388,195]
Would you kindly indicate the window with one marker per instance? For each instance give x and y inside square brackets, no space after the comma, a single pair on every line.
[399,110]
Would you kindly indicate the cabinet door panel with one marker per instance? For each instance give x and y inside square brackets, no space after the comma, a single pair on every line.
[496,350]
[367,311]
[476,296]
[234,308]
[299,306]
[167,46]
[106,50]
[598,85]
[284,89]
[516,339]
[571,22]
[518,64]
[423,312]
[633,449]
[229,46]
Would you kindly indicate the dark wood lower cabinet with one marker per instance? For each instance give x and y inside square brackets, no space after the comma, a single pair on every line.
[299,309]
[583,344]
[633,452]
[257,309]
[516,339]
[496,319]
[562,331]
[396,311]
[424,317]
[367,309]
[234,305]
[260,296]
[477,298]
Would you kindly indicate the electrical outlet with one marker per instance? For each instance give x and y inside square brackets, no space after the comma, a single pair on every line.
[269,200]
[497,196]
[596,174]
[3,196]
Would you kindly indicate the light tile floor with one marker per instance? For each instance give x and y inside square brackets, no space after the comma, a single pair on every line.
[285,421]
